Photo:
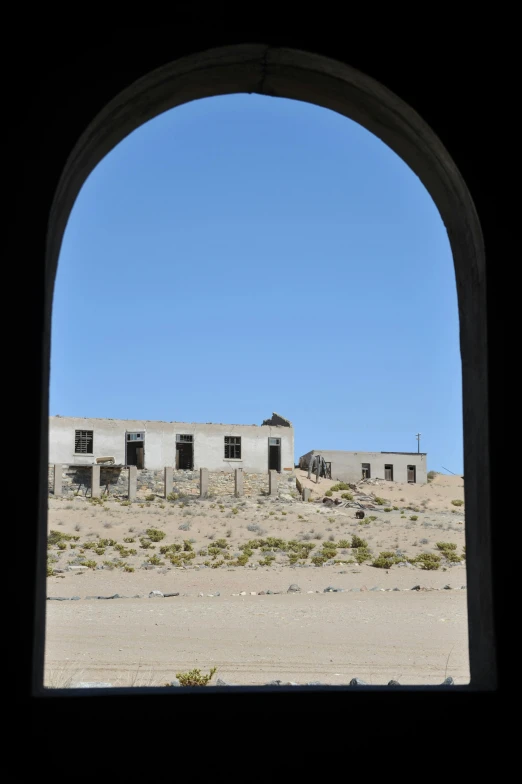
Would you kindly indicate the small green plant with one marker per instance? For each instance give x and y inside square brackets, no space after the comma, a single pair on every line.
[343,543]
[150,497]
[388,509]
[457,502]
[90,564]
[155,560]
[195,678]
[414,517]
[431,475]
[125,503]
[234,510]
[62,545]
[362,554]
[267,561]
[428,561]
[340,486]
[385,560]
[379,501]
[300,517]
[446,546]
[358,542]
[129,539]
[128,568]
[187,546]
[329,493]
[172,497]
[395,508]
[155,535]
[347,496]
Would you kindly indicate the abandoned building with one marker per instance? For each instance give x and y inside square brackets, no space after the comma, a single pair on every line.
[182,445]
[354,466]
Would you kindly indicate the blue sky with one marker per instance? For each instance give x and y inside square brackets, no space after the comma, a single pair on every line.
[241,255]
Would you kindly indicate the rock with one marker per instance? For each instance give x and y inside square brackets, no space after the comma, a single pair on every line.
[313,683]
[393,683]
[376,588]
[91,685]
[138,596]
[167,595]
[200,593]
[77,568]
[274,683]
[57,598]
[152,594]
[217,593]
[253,593]
[75,598]
[221,682]
[174,682]
[447,587]
[396,589]
[357,682]
[462,587]
[242,593]
[293,588]
[331,589]
[448,682]
[416,588]
[261,593]
[355,590]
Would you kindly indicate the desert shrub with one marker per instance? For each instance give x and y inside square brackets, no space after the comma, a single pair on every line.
[145,544]
[343,543]
[340,486]
[128,568]
[431,475]
[172,497]
[413,517]
[195,678]
[358,542]
[150,497]
[90,564]
[362,554]
[379,501]
[125,503]
[187,546]
[446,546]
[155,535]
[457,502]
[62,545]
[395,508]
[328,493]
[129,539]
[428,561]
[384,560]
[319,560]
[242,560]
[347,496]
[267,560]
[388,509]
[155,560]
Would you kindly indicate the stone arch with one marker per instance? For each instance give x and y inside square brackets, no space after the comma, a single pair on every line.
[301,75]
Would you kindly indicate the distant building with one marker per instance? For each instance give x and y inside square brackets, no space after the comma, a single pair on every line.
[354,466]
[183,445]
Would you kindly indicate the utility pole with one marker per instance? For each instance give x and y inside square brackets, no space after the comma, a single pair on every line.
[418,442]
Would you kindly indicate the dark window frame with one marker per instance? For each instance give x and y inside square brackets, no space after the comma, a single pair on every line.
[233,448]
[82,440]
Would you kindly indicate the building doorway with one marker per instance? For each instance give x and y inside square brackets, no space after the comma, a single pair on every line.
[184,452]
[412,474]
[274,454]
[135,449]
[388,472]
[365,470]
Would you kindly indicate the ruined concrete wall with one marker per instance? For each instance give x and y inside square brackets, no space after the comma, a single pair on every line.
[109,439]
[76,480]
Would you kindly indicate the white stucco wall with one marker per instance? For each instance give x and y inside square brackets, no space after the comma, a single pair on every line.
[347,466]
[160,443]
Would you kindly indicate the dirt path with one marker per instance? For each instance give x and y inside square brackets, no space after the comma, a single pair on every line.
[329,638]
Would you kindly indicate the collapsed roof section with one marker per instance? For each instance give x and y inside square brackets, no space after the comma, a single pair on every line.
[277,420]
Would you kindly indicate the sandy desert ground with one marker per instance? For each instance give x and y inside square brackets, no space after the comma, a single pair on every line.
[228,564]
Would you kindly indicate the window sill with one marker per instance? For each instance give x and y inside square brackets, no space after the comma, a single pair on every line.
[83,454]
[233,459]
